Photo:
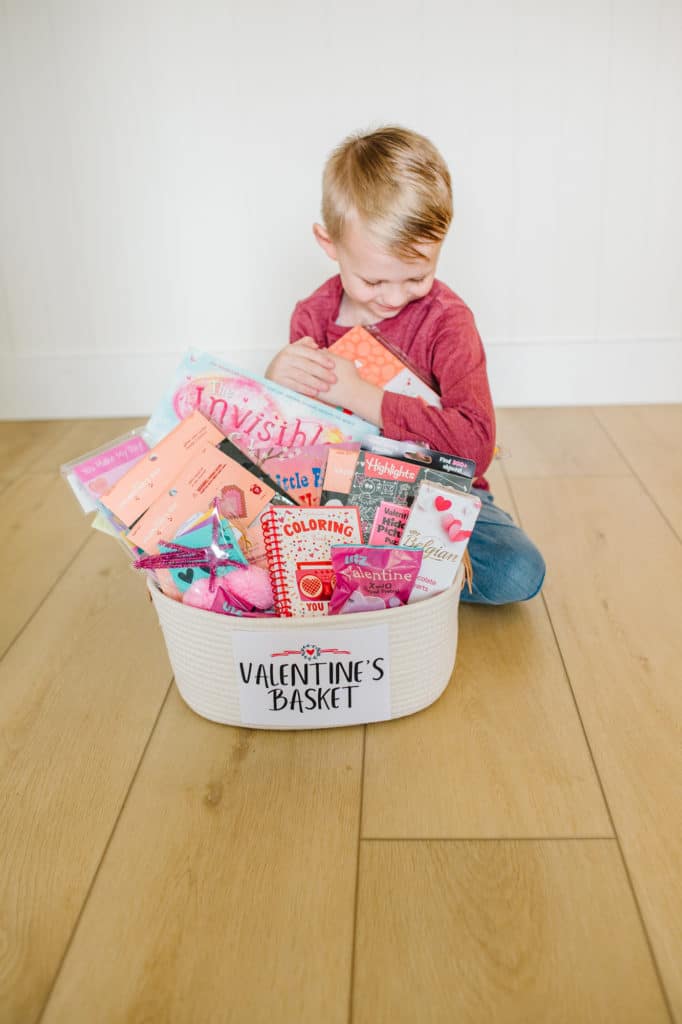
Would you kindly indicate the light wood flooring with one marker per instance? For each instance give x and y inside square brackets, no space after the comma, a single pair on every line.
[511,854]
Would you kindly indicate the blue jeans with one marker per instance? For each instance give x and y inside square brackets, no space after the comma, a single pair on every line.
[507,566]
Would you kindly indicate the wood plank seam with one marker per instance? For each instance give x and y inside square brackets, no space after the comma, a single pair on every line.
[35,611]
[635,474]
[489,839]
[351,988]
[102,858]
[626,868]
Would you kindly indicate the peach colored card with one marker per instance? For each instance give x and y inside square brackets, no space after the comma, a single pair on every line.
[209,474]
[373,360]
[339,471]
[133,494]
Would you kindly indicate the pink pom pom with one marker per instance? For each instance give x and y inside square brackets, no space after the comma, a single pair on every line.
[199,594]
[250,586]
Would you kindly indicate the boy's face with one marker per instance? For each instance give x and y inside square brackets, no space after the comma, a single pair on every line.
[377,284]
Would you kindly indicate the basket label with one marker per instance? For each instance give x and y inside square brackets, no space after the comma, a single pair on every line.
[305,678]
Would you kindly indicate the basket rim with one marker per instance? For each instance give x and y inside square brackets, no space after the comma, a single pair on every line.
[284,622]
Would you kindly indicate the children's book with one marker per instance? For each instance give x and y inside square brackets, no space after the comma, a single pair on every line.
[151,475]
[209,474]
[298,545]
[379,481]
[440,522]
[253,409]
[380,363]
[298,471]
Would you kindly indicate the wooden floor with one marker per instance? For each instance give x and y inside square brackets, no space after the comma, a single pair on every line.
[513,853]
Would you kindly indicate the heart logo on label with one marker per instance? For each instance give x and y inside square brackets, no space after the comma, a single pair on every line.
[187,576]
[442,503]
[310,651]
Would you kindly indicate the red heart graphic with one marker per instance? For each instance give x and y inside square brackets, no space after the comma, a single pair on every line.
[442,503]
[310,651]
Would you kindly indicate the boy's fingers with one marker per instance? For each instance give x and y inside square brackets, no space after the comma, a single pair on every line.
[312,351]
[302,389]
[310,368]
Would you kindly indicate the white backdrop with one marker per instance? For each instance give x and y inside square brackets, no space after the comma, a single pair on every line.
[160,166]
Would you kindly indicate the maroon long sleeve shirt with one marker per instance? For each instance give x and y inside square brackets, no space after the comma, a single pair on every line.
[439,338]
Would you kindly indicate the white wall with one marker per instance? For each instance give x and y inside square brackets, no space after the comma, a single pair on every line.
[160,166]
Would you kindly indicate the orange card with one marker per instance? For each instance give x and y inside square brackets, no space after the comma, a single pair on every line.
[373,360]
[209,474]
[148,479]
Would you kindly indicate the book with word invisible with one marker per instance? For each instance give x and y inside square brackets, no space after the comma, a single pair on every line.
[298,544]
[249,409]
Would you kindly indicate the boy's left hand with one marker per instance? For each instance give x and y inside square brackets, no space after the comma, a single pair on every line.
[352,392]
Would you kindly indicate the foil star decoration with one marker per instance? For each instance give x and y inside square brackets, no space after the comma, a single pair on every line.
[210,558]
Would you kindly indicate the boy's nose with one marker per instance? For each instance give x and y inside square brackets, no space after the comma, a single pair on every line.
[393,297]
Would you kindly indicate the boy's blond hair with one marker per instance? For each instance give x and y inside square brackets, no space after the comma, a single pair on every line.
[396,182]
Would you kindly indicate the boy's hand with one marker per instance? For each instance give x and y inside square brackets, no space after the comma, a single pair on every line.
[354,393]
[305,368]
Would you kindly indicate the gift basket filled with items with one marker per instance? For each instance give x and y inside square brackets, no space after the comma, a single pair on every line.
[305,570]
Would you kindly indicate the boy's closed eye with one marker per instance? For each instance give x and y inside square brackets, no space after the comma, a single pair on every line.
[411,280]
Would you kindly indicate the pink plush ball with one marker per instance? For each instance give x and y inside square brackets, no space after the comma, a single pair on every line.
[250,585]
[199,594]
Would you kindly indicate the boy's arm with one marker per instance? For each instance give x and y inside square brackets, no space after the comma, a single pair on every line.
[466,423]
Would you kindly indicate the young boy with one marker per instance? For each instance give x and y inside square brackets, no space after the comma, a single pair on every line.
[386,209]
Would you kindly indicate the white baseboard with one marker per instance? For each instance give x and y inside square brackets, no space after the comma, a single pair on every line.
[531,373]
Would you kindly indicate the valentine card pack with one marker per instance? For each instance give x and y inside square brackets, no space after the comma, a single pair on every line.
[380,363]
[95,473]
[440,522]
[209,474]
[250,409]
[298,544]
[152,474]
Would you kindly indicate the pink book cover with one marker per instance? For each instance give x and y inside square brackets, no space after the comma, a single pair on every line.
[133,494]
[298,544]
[256,411]
[298,471]
[209,474]
[440,522]
[338,476]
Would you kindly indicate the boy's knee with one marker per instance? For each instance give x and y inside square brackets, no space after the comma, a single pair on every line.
[517,574]
[530,576]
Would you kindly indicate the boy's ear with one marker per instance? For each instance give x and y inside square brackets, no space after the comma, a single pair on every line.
[324,241]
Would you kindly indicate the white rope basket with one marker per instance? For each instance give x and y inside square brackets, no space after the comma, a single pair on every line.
[219,682]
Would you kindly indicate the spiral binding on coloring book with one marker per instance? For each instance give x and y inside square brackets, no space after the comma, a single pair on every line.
[275,565]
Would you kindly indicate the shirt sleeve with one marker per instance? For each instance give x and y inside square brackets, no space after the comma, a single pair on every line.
[301,325]
[466,423]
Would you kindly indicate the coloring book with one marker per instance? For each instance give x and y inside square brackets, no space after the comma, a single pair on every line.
[298,544]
